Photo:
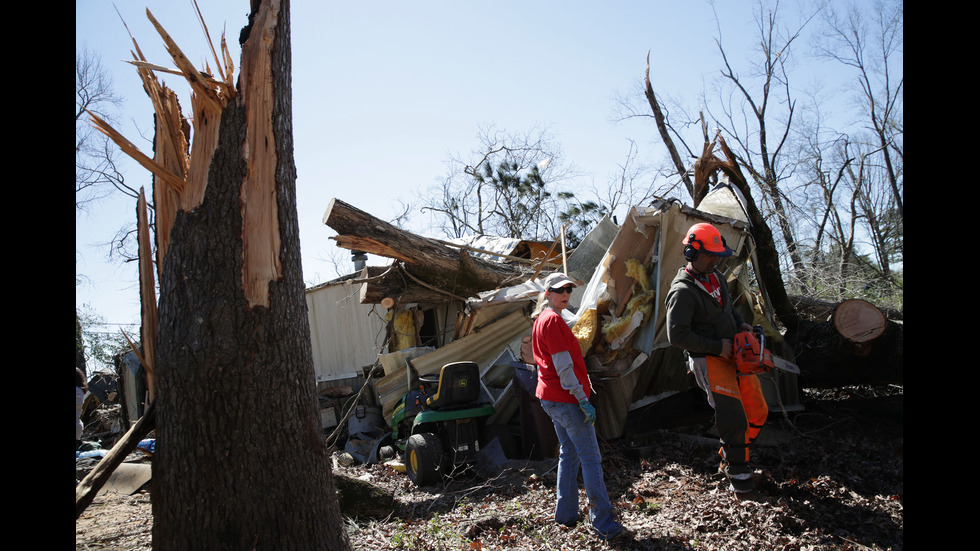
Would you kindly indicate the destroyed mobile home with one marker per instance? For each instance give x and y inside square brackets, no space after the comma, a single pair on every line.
[438,303]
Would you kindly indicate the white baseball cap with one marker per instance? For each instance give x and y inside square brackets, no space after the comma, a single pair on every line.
[558,280]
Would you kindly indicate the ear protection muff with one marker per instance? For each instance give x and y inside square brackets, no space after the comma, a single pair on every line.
[691,253]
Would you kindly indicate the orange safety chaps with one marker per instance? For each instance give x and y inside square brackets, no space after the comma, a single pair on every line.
[740,412]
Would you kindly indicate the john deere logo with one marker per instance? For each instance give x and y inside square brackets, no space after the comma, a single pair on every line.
[462,383]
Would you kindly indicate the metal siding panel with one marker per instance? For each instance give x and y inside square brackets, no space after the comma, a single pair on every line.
[346,335]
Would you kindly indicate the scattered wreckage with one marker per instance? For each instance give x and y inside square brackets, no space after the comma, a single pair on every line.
[439,303]
[383,337]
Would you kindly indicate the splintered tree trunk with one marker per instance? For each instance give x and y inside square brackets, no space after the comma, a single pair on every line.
[240,459]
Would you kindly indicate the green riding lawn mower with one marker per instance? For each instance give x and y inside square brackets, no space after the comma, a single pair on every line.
[442,424]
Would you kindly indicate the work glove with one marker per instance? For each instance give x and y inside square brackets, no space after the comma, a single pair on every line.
[588,410]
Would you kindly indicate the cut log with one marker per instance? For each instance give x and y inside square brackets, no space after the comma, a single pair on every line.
[426,268]
[857,345]
[858,321]
[820,310]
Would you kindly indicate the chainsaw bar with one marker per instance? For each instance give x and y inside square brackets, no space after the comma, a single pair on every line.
[785,365]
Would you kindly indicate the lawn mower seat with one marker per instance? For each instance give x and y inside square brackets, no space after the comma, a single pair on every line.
[458,384]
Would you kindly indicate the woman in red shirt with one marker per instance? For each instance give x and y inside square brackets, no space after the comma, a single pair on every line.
[564,389]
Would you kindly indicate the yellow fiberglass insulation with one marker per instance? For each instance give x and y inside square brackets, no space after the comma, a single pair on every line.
[585,329]
[404,329]
[642,302]
[635,270]
[615,332]
[613,329]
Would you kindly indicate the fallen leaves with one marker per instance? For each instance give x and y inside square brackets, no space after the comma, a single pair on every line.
[835,483]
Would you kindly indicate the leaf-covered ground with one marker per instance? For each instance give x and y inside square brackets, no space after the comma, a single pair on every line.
[833,478]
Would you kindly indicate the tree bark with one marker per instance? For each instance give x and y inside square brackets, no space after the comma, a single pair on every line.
[826,359]
[361,499]
[848,343]
[241,460]
[821,310]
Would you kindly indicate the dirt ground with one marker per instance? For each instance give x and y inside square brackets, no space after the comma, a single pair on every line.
[833,480]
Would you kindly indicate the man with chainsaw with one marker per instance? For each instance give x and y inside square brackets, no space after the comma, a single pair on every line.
[702,321]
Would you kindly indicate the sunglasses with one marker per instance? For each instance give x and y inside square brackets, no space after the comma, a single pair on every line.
[567,289]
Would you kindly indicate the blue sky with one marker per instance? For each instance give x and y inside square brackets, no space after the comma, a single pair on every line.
[384,92]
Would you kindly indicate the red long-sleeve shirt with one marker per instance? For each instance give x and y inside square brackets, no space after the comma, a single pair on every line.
[551,335]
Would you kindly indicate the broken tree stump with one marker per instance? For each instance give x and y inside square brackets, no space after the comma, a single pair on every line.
[231,314]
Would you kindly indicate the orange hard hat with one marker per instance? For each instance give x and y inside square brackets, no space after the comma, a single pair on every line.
[705,237]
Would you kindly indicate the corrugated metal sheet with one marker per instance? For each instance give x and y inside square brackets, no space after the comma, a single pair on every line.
[346,334]
[480,347]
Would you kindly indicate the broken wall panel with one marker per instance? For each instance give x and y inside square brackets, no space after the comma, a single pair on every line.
[636,239]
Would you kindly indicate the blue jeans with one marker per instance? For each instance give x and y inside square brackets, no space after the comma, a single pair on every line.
[579,448]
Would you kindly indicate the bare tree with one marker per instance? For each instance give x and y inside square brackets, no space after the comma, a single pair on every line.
[761,135]
[663,127]
[874,50]
[673,122]
[509,186]
[96,157]
[826,170]
[880,211]
[858,168]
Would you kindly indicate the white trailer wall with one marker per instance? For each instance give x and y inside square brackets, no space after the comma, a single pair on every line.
[346,334]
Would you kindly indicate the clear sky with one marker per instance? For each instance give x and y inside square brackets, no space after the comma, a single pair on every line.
[385,91]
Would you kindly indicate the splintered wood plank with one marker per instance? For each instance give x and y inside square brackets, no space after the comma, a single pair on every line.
[148,299]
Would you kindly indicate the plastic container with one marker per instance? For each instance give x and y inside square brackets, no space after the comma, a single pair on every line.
[364,420]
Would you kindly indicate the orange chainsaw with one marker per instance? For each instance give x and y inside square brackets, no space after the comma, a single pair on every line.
[752,357]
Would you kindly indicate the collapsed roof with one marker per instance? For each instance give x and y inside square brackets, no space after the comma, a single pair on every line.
[619,319]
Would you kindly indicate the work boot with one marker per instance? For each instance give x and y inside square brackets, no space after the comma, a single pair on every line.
[759,479]
[751,495]
[570,525]
[763,482]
